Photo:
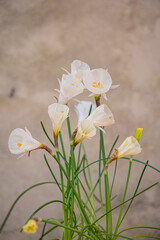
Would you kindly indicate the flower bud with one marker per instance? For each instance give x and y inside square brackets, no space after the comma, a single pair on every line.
[138,133]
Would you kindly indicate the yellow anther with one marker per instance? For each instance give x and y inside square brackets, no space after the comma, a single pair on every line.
[19,144]
[96,85]
[62,111]
[72,84]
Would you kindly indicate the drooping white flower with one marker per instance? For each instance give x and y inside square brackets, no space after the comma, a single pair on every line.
[77,69]
[86,130]
[128,148]
[57,113]
[82,109]
[102,116]
[69,88]
[97,81]
[21,141]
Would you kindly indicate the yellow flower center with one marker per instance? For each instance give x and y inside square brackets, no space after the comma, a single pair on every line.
[96,84]
[62,111]
[19,144]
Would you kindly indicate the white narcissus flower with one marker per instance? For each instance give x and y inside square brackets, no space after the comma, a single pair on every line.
[82,109]
[77,69]
[21,141]
[97,81]
[128,148]
[102,116]
[57,113]
[85,130]
[69,88]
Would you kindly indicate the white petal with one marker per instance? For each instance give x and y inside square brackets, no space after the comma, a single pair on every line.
[57,113]
[27,131]
[69,88]
[102,116]
[65,70]
[82,109]
[129,147]
[114,86]
[98,81]
[21,141]
[100,128]
[78,65]
[86,130]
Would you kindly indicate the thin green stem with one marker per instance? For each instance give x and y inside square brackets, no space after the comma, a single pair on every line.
[64,209]
[139,227]
[146,189]
[63,226]
[90,179]
[145,236]
[124,196]
[52,173]
[41,207]
[114,175]
[17,199]
[100,186]
[107,191]
[76,195]
[135,160]
[49,137]
[134,192]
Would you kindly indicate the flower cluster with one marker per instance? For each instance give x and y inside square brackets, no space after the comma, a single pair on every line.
[98,82]
[90,117]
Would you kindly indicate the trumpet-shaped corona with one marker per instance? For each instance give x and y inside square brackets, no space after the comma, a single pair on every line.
[97,81]
[57,113]
[77,69]
[69,88]
[102,116]
[21,141]
[30,227]
[128,148]
[82,109]
[86,130]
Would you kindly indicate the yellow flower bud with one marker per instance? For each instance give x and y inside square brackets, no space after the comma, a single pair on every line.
[31,226]
[138,133]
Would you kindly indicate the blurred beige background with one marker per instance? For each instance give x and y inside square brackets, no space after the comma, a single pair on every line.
[37,39]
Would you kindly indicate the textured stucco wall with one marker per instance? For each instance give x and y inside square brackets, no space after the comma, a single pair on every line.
[39,37]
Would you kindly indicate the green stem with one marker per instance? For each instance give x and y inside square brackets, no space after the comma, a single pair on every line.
[146,189]
[69,228]
[63,149]
[64,209]
[114,175]
[100,186]
[107,191]
[139,227]
[52,172]
[124,196]
[75,193]
[135,192]
[42,206]
[90,179]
